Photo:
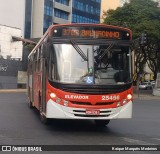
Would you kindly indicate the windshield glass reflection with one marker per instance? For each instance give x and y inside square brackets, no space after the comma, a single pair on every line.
[89,64]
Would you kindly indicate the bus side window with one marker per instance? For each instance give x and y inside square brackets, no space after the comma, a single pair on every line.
[35,62]
[38,59]
[51,69]
[31,68]
[38,65]
[52,63]
[31,65]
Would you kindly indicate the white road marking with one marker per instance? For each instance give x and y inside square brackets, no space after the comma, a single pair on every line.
[138,142]
[156,139]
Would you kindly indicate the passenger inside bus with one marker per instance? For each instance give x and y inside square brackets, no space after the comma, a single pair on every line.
[110,66]
[104,72]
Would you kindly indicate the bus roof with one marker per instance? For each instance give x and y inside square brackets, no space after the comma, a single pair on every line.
[90,24]
[50,29]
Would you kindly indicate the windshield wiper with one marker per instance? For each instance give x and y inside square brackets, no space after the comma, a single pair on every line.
[78,49]
[106,50]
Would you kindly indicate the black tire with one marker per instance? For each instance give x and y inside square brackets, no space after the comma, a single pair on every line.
[45,120]
[148,88]
[30,105]
[102,123]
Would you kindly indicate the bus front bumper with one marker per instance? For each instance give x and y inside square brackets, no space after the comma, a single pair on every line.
[58,111]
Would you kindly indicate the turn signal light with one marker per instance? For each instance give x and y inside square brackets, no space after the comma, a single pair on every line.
[58,100]
[124,101]
[118,104]
[65,103]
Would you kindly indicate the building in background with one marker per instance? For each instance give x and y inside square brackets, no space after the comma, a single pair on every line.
[62,10]
[28,18]
[86,11]
[40,14]
[12,13]
[10,49]
[10,56]
[31,18]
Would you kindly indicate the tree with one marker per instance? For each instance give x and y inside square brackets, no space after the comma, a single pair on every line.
[141,16]
[29,47]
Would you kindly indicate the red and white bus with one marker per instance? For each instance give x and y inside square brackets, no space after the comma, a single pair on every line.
[82,71]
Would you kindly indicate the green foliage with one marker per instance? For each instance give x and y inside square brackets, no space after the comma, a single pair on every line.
[138,15]
[141,16]
[29,47]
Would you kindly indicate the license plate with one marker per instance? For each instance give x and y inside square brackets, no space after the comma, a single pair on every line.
[92,112]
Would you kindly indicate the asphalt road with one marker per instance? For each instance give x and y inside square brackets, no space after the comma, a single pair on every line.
[21,125]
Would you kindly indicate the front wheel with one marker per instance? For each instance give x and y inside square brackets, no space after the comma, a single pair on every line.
[44,120]
[43,117]
[102,123]
[30,105]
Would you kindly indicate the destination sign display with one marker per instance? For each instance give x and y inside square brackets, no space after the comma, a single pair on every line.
[90,32]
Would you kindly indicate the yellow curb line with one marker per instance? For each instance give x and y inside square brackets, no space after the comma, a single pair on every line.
[12,90]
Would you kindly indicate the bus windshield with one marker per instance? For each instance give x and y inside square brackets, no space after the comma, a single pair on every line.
[89,64]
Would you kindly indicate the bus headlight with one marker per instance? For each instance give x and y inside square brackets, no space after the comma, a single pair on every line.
[52,95]
[129,96]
